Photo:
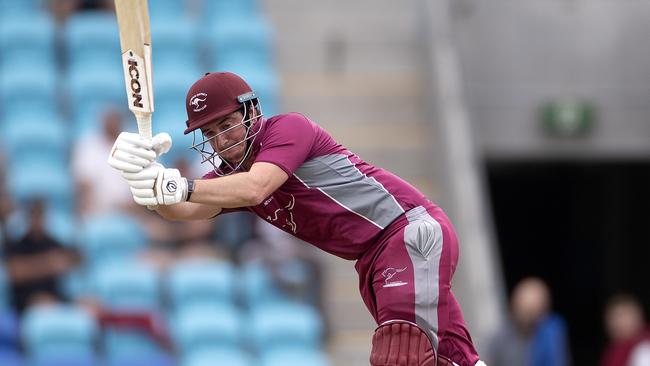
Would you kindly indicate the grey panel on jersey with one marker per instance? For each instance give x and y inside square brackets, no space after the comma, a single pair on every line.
[337,177]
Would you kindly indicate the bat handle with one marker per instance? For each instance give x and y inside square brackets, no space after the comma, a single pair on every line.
[144,125]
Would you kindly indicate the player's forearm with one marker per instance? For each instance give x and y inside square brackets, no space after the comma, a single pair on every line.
[238,190]
[187,211]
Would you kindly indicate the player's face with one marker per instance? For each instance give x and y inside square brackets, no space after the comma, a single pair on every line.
[225,133]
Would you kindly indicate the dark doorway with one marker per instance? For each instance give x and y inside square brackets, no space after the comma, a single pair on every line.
[584,227]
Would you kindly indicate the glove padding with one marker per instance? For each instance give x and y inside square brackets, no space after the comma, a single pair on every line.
[155,185]
[131,153]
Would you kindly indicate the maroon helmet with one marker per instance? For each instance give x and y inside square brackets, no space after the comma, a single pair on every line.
[214,96]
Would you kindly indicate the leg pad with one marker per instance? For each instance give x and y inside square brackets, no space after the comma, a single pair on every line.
[402,344]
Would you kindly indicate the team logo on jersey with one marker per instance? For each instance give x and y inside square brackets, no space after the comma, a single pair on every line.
[284,216]
[389,273]
[198,102]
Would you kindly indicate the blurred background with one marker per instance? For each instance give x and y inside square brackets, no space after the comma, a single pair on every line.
[527,121]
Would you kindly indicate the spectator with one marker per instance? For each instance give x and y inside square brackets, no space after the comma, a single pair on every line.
[36,262]
[100,188]
[534,336]
[629,335]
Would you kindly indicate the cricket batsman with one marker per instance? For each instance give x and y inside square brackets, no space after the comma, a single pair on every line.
[290,172]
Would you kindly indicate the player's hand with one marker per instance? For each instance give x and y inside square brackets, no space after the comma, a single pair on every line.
[131,153]
[155,185]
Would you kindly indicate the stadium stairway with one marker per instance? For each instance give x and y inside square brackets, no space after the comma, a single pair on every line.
[355,68]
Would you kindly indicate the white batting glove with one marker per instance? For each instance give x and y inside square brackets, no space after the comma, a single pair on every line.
[131,153]
[155,185]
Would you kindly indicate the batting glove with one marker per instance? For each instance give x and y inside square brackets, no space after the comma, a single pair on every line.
[155,185]
[131,153]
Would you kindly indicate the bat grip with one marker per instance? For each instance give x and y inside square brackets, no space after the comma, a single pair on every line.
[144,125]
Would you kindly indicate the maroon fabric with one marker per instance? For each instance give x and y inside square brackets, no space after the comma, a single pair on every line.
[213,96]
[401,344]
[145,322]
[288,141]
[618,353]
[392,303]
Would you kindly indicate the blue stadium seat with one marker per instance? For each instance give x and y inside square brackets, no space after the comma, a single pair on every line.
[24,88]
[90,90]
[10,8]
[176,44]
[111,237]
[156,359]
[288,324]
[26,44]
[223,357]
[57,333]
[294,357]
[9,330]
[134,288]
[219,10]
[41,177]
[201,328]
[200,282]
[11,357]
[241,42]
[24,137]
[167,10]
[92,38]
[127,285]
[258,287]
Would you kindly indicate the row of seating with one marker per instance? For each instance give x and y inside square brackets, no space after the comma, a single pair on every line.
[67,335]
[207,10]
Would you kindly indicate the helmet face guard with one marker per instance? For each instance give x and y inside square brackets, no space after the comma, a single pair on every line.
[205,148]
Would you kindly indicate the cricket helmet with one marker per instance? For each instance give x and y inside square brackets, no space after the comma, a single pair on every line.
[214,96]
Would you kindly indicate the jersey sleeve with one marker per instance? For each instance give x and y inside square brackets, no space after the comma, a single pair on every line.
[288,142]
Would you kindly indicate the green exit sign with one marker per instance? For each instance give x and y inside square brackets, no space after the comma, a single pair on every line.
[568,118]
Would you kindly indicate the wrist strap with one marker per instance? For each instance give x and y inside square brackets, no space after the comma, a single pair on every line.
[190,188]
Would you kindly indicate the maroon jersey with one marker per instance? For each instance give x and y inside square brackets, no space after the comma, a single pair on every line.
[332,199]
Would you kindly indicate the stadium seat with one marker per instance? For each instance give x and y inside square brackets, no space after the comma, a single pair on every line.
[111,237]
[92,38]
[201,328]
[176,44]
[89,91]
[30,136]
[11,357]
[285,324]
[167,10]
[26,43]
[127,285]
[237,42]
[156,359]
[200,282]
[58,333]
[292,356]
[218,10]
[25,181]
[11,8]
[24,88]
[258,287]
[222,357]
[8,329]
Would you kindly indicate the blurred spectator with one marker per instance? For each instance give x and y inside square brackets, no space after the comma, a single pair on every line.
[36,262]
[62,9]
[628,333]
[534,336]
[100,188]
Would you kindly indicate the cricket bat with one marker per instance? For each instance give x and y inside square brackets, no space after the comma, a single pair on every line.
[135,41]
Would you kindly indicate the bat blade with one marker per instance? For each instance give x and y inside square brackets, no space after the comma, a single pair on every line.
[135,42]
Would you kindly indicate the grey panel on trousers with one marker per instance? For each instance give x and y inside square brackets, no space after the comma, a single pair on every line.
[336,176]
[423,238]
